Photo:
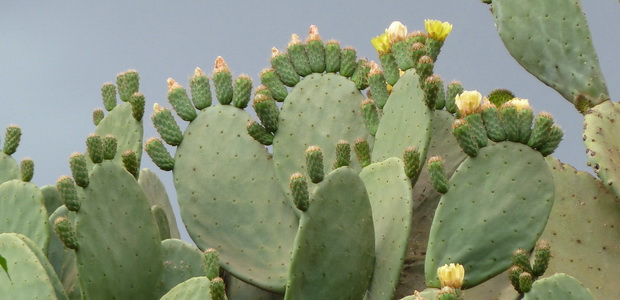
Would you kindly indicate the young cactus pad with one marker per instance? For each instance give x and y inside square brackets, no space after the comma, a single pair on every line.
[558,287]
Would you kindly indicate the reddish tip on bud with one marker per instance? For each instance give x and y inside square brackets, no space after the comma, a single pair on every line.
[374,69]
[313,34]
[294,40]
[172,85]
[220,65]
[198,72]
[275,52]
[435,158]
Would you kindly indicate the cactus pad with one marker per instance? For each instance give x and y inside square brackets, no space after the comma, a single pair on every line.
[197,288]
[155,192]
[558,286]
[181,261]
[9,169]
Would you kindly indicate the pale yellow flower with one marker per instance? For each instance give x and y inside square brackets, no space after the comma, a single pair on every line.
[468,102]
[397,32]
[451,275]
[381,43]
[437,30]
[519,103]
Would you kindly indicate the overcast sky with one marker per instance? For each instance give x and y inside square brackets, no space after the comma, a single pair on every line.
[55,55]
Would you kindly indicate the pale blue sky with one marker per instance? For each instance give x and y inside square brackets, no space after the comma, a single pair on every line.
[55,55]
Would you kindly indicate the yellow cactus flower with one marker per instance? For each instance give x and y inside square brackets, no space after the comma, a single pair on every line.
[519,103]
[468,102]
[437,30]
[397,32]
[381,43]
[451,275]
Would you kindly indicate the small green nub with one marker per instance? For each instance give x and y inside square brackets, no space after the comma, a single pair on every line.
[348,62]
[27,169]
[177,97]
[493,123]
[299,190]
[68,193]
[433,47]
[161,220]
[128,83]
[425,67]
[315,50]
[436,170]
[500,96]
[370,115]
[281,63]
[343,154]
[200,89]
[218,290]
[465,137]
[159,154]
[521,259]
[417,51]
[431,87]
[98,115]
[478,131]
[552,141]
[222,80]
[417,36]
[261,89]
[212,263]
[411,158]
[440,101]
[525,282]
[166,126]
[314,163]
[362,151]
[259,133]
[243,91]
[454,88]
[137,106]
[297,54]
[110,145]
[270,79]
[542,127]
[130,162]
[66,233]
[94,146]
[79,169]
[403,55]
[12,137]
[267,111]
[360,76]
[390,68]
[542,254]
[108,93]
[378,86]
[513,275]
[509,119]
[447,293]
[332,56]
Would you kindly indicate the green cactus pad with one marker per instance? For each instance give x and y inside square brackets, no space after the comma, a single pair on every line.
[334,251]
[31,275]
[234,209]
[390,194]
[115,212]
[9,169]
[513,191]
[236,289]
[156,194]
[553,43]
[181,261]
[22,210]
[406,120]
[162,221]
[197,288]
[51,197]
[583,230]
[321,110]
[603,146]
[559,286]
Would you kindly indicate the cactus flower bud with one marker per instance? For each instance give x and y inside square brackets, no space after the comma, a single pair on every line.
[520,104]
[212,263]
[397,32]
[381,43]
[451,275]
[313,34]
[299,190]
[468,102]
[437,30]
[314,163]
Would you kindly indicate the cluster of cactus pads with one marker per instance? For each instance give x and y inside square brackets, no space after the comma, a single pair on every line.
[322,191]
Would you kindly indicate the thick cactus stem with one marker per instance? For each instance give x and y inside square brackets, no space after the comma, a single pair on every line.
[218,290]
[98,115]
[222,80]
[348,62]
[525,282]
[465,137]
[66,233]
[402,54]
[12,137]
[542,254]
[315,50]
[281,63]
[477,126]
[166,125]
[68,193]
[500,96]
[362,151]
[314,164]
[259,133]
[94,146]
[360,76]
[390,68]
[270,79]
[137,106]
[299,190]
[130,162]
[411,158]
[79,169]
[371,117]
[425,67]
[212,263]
[509,118]
[158,153]
[332,56]
[243,91]
[437,172]
[521,259]
[267,111]
[431,87]
[493,123]
[200,89]
[552,142]
[110,145]
[542,128]
[343,154]
[108,93]
[177,96]
[378,86]
[27,169]
[297,54]
[454,88]
[128,83]
[513,275]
